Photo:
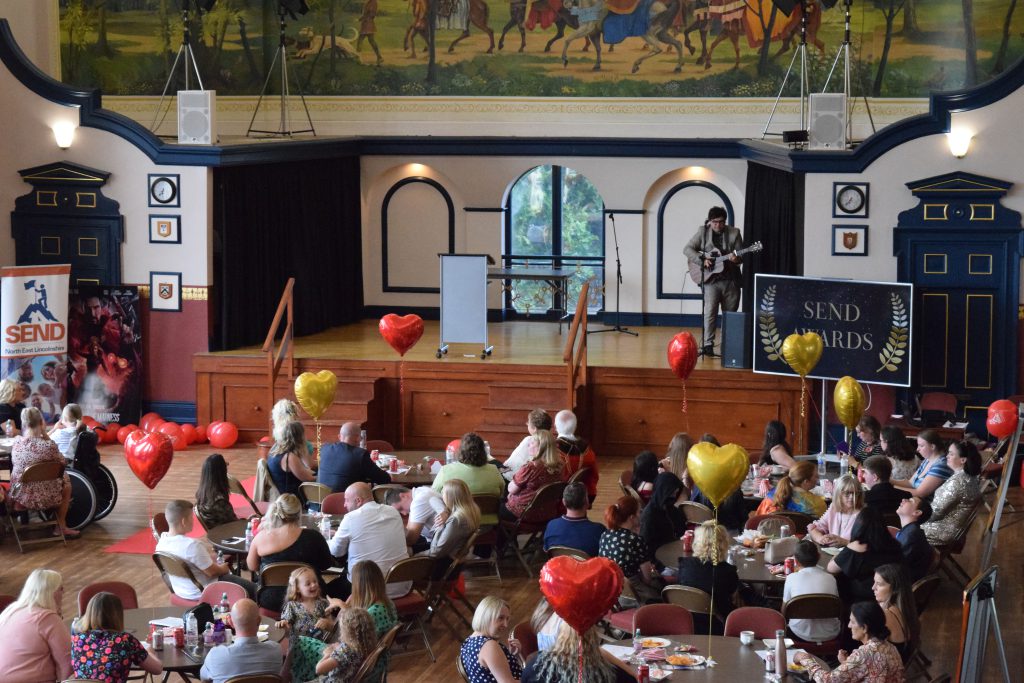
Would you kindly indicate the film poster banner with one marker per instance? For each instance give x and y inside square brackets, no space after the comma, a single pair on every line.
[865,327]
[105,353]
[34,320]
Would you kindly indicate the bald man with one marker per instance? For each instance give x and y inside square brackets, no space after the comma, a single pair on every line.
[370,531]
[246,656]
[345,463]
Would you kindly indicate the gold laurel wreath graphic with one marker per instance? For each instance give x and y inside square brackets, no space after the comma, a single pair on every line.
[895,348]
[766,322]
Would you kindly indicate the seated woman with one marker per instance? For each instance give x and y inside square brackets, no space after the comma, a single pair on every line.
[957,497]
[836,526]
[732,513]
[12,402]
[37,645]
[793,492]
[102,650]
[875,661]
[356,640]
[871,545]
[65,432]
[544,467]
[545,624]
[708,570]
[776,450]
[894,446]
[933,470]
[471,466]
[561,662]
[645,470]
[213,497]
[484,657]
[893,592]
[33,448]
[281,539]
[622,545]
[868,431]
[675,459]
[661,521]
[463,519]
[286,461]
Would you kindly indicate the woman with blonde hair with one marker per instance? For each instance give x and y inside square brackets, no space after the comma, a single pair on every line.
[463,520]
[65,432]
[565,663]
[793,492]
[708,570]
[37,644]
[543,468]
[283,412]
[287,460]
[102,650]
[836,525]
[281,539]
[12,402]
[675,458]
[33,448]
[485,658]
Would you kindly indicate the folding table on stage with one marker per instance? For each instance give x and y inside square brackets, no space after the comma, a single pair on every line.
[556,278]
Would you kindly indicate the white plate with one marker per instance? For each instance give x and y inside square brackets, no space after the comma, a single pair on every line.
[650,643]
[698,662]
[770,643]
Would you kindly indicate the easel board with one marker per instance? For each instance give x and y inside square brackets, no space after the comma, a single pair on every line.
[463,299]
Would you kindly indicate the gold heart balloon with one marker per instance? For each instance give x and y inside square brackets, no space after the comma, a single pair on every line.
[849,401]
[717,470]
[802,352]
[316,392]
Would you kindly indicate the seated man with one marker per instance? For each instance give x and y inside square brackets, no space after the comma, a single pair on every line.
[810,579]
[246,656]
[918,554]
[573,529]
[421,506]
[881,494]
[345,463]
[197,552]
[370,531]
[537,419]
[578,453]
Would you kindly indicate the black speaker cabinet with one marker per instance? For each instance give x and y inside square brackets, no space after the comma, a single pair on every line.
[736,340]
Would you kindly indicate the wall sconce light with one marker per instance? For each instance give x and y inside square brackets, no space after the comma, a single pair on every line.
[959,140]
[64,134]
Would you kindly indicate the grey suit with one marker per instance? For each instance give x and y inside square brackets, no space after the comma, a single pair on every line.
[244,657]
[725,290]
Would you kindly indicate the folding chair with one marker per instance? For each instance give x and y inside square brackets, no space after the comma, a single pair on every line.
[663,620]
[40,472]
[523,632]
[413,606]
[379,653]
[169,566]
[158,525]
[379,445]
[439,592]
[541,510]
[129,598]
[560,550]
[380,491]
[333,504]
[255,678]
[814,606]
[695,513]
[923,589]
[214,591]
[581,475]
[947,562]
[235,486]
[275,575]
[693,599]
[762,621]
[488,534]
[313,492]
[625,485]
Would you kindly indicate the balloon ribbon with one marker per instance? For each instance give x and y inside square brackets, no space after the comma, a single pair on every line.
[316,421]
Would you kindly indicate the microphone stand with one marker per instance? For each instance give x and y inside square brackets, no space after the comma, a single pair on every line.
[618,283]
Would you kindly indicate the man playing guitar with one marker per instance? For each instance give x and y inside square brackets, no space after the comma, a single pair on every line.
[721,289]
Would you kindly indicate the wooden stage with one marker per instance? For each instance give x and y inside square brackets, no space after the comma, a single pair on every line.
[628,400]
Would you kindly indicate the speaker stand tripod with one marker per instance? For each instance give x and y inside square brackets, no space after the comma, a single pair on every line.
[618,283]
[844,52]
[801,54]
[184,54]
[284,127]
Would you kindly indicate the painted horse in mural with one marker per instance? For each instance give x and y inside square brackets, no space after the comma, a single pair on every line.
[525,15]
[791,31]
[730,14]
[418,27]
[461,14]
[653,24]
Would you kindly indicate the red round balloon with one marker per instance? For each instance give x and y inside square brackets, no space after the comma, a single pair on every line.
[149,456]
[682,354]
[401,332]
[91,422]
[123,432]
[581,592]
[1002,418]
[144,423]
[223,435]
[190,433]
[200,434]
[110,432]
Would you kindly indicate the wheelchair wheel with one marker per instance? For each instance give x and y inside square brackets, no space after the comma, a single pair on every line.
[83,500]
[106,492]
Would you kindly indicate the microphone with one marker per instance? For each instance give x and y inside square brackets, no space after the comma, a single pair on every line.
[611,214]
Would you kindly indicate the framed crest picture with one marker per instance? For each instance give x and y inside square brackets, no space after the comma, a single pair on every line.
[849,240]
[165,291]
[165,229]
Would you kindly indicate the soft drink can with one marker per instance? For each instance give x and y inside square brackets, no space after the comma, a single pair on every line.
[643,674]
[393,465]
[374,455]
[688,541]
[255,525]
[158,639]
[179,637]
[789,566]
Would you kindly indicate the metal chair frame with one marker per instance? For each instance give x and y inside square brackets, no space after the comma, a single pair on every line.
[235,486]
[548,496]
[39,472]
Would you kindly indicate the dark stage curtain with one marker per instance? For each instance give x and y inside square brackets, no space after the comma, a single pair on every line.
[773,214]
[275,221]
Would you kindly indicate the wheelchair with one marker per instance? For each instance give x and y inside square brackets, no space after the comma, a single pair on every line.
[93,487]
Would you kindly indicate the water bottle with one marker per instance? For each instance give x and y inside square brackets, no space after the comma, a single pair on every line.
[225,606]
[248,534]
[325,526]
[487,449]
[638,644]
[191,631]
[821,465]
[362,439]
[844,464]
[781,663]
[209,639]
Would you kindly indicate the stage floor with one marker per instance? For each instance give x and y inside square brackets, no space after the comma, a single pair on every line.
[517,342]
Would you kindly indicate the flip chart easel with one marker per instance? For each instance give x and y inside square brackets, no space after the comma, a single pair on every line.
[464,302]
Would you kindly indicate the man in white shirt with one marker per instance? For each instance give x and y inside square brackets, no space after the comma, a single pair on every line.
[537,419]
[810,579]
[370,531]
[197,552]
[246,656]
[423,508]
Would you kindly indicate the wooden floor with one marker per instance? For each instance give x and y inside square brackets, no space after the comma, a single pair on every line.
[519,342]
[83,561]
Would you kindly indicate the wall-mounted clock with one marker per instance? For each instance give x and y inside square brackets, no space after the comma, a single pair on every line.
[164,190]
[849,200]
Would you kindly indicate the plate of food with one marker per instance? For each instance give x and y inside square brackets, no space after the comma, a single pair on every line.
[648,643]
[684,661]
[685,647]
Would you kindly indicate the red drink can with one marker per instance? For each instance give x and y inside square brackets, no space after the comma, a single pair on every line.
[393,465]
[789,565]
[688,541]
[374,455]
[255,525]
[643,674]
[179,637]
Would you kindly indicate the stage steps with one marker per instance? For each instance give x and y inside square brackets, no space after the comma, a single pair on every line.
[508,405]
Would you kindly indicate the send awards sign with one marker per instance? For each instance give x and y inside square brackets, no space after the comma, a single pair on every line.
[865,326]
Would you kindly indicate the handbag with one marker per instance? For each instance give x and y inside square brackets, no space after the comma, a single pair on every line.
[777,550]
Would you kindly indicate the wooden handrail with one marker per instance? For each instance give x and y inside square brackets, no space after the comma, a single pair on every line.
[575,359]
[275,358]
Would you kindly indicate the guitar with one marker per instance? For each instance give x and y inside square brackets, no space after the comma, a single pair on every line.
[718,263]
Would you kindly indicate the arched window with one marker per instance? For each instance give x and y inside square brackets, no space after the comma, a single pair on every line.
[554,218]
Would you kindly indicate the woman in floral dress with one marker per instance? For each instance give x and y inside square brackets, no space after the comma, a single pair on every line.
[36,447]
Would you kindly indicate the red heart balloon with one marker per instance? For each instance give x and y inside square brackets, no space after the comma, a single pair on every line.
[682,354]
[149,456]
[401,332]
[581,592]
[1002,418]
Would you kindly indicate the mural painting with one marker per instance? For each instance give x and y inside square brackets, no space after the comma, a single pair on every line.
[541,48]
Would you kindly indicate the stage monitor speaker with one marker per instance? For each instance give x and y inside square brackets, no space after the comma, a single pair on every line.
[827,123]
[197,114]
[736,340]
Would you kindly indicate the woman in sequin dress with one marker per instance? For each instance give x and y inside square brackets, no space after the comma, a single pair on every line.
[956,499]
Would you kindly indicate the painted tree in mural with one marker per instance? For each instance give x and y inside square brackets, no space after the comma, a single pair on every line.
[1000,61]
[889,9]
[970,45]
[77,22]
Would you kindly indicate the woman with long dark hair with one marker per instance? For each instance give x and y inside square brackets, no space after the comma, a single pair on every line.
[213,497]
[871,545]
[776,450]
[645,470]
[894,447]
[661,521]
[956,499]
[894,593]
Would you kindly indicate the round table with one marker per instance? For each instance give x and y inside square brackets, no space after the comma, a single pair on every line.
[220,536]
[751,569]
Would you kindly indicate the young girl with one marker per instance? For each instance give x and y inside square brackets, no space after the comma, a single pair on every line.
[356,640]
[65,432]
[307,615]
